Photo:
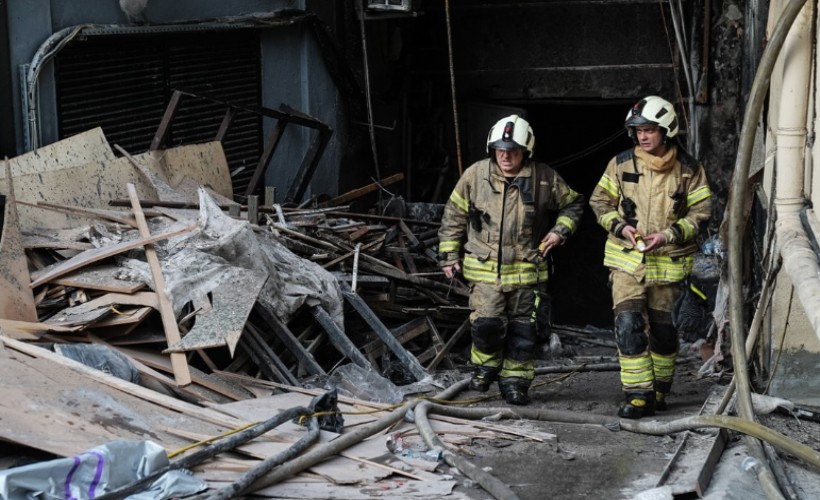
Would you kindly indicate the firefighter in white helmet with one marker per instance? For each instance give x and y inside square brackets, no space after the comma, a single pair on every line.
[495,230]
[652,200]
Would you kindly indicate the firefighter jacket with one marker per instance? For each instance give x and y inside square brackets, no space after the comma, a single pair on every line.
[669,195]
[495,220]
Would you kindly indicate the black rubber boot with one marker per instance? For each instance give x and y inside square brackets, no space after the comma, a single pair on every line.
[483,378]
[514,391]
[662,390]
[637,405]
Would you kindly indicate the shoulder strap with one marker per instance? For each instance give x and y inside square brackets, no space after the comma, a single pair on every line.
[541,193]
[624,156]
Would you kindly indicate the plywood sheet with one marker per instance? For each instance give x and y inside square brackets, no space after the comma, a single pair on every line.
[100,278]
[52,407]
[204,164]
[16,299]
[81,149]
[91,185]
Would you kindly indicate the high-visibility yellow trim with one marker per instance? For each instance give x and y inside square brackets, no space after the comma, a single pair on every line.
[636,371]
[459,201]
[621,258]
[449,246]
[606,219]
[568,198]
[659,268]
[609,186]
[517,273]
[492,360]
[566,221]
[698,195]
[687,228]
[518,369]
[697,291]
[663,366]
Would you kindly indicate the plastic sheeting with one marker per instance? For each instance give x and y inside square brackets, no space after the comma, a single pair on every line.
[198,262]
[98,471]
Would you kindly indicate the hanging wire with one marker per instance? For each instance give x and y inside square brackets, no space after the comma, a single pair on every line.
[586,151]
[453,86]
[691,121]
[368,97]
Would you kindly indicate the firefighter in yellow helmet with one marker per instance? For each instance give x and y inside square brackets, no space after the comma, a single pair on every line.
[652,200]
[495,230]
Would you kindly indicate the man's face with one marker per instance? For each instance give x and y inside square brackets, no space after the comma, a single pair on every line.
[650,139]
[509,160]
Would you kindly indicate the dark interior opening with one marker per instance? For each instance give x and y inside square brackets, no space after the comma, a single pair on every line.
[578,139]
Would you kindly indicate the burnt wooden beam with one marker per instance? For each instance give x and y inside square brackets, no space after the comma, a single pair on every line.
[338,338]
[449,345]
[289,339]
[403,334]
[311,160]
[230,113]
[266,360]
[359,192]
[404,356]
[270,148]
[164,128]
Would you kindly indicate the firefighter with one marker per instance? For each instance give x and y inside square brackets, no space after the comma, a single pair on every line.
[652,200]
[496,232]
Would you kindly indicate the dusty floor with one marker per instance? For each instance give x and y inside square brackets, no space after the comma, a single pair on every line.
[589,461]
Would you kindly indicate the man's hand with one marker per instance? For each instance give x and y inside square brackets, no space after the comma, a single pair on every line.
[550,241]
[629,232]
[654,240]
[450,271]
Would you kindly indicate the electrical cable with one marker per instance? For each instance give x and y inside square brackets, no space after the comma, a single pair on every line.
[453,86]
[737,223]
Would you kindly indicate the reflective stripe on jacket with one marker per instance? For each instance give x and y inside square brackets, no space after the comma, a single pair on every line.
[497,239]
[654,195]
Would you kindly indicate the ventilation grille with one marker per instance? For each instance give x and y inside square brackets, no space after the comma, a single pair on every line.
[123,84]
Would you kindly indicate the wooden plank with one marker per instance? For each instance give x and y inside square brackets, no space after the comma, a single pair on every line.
[99,278]
[338,338]
[290,340]
[166,310]
[16,299]
[97,254]
[164,128]
[404,356]
[449,345]
[267,153]
[403,334]
[56,364]
[359,192]
[438,342]
[266,360]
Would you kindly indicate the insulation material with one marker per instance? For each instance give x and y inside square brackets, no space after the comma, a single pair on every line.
[224,256]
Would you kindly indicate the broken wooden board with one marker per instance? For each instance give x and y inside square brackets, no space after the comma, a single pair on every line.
[17,299]
[102,277]
[81,149]
[97,309]
[90,186]
[52,404]
[98,254]
[191,166]
[690,469]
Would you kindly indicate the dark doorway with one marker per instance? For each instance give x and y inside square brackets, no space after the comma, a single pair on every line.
[578,139]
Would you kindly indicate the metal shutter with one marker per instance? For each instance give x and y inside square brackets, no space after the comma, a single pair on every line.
[122,83]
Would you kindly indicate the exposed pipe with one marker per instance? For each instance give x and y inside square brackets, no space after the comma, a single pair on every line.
[345,441]
[493,485]
[651,427]
[739,194]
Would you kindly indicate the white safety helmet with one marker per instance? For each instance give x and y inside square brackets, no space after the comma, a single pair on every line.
[512,132]
[653,110]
